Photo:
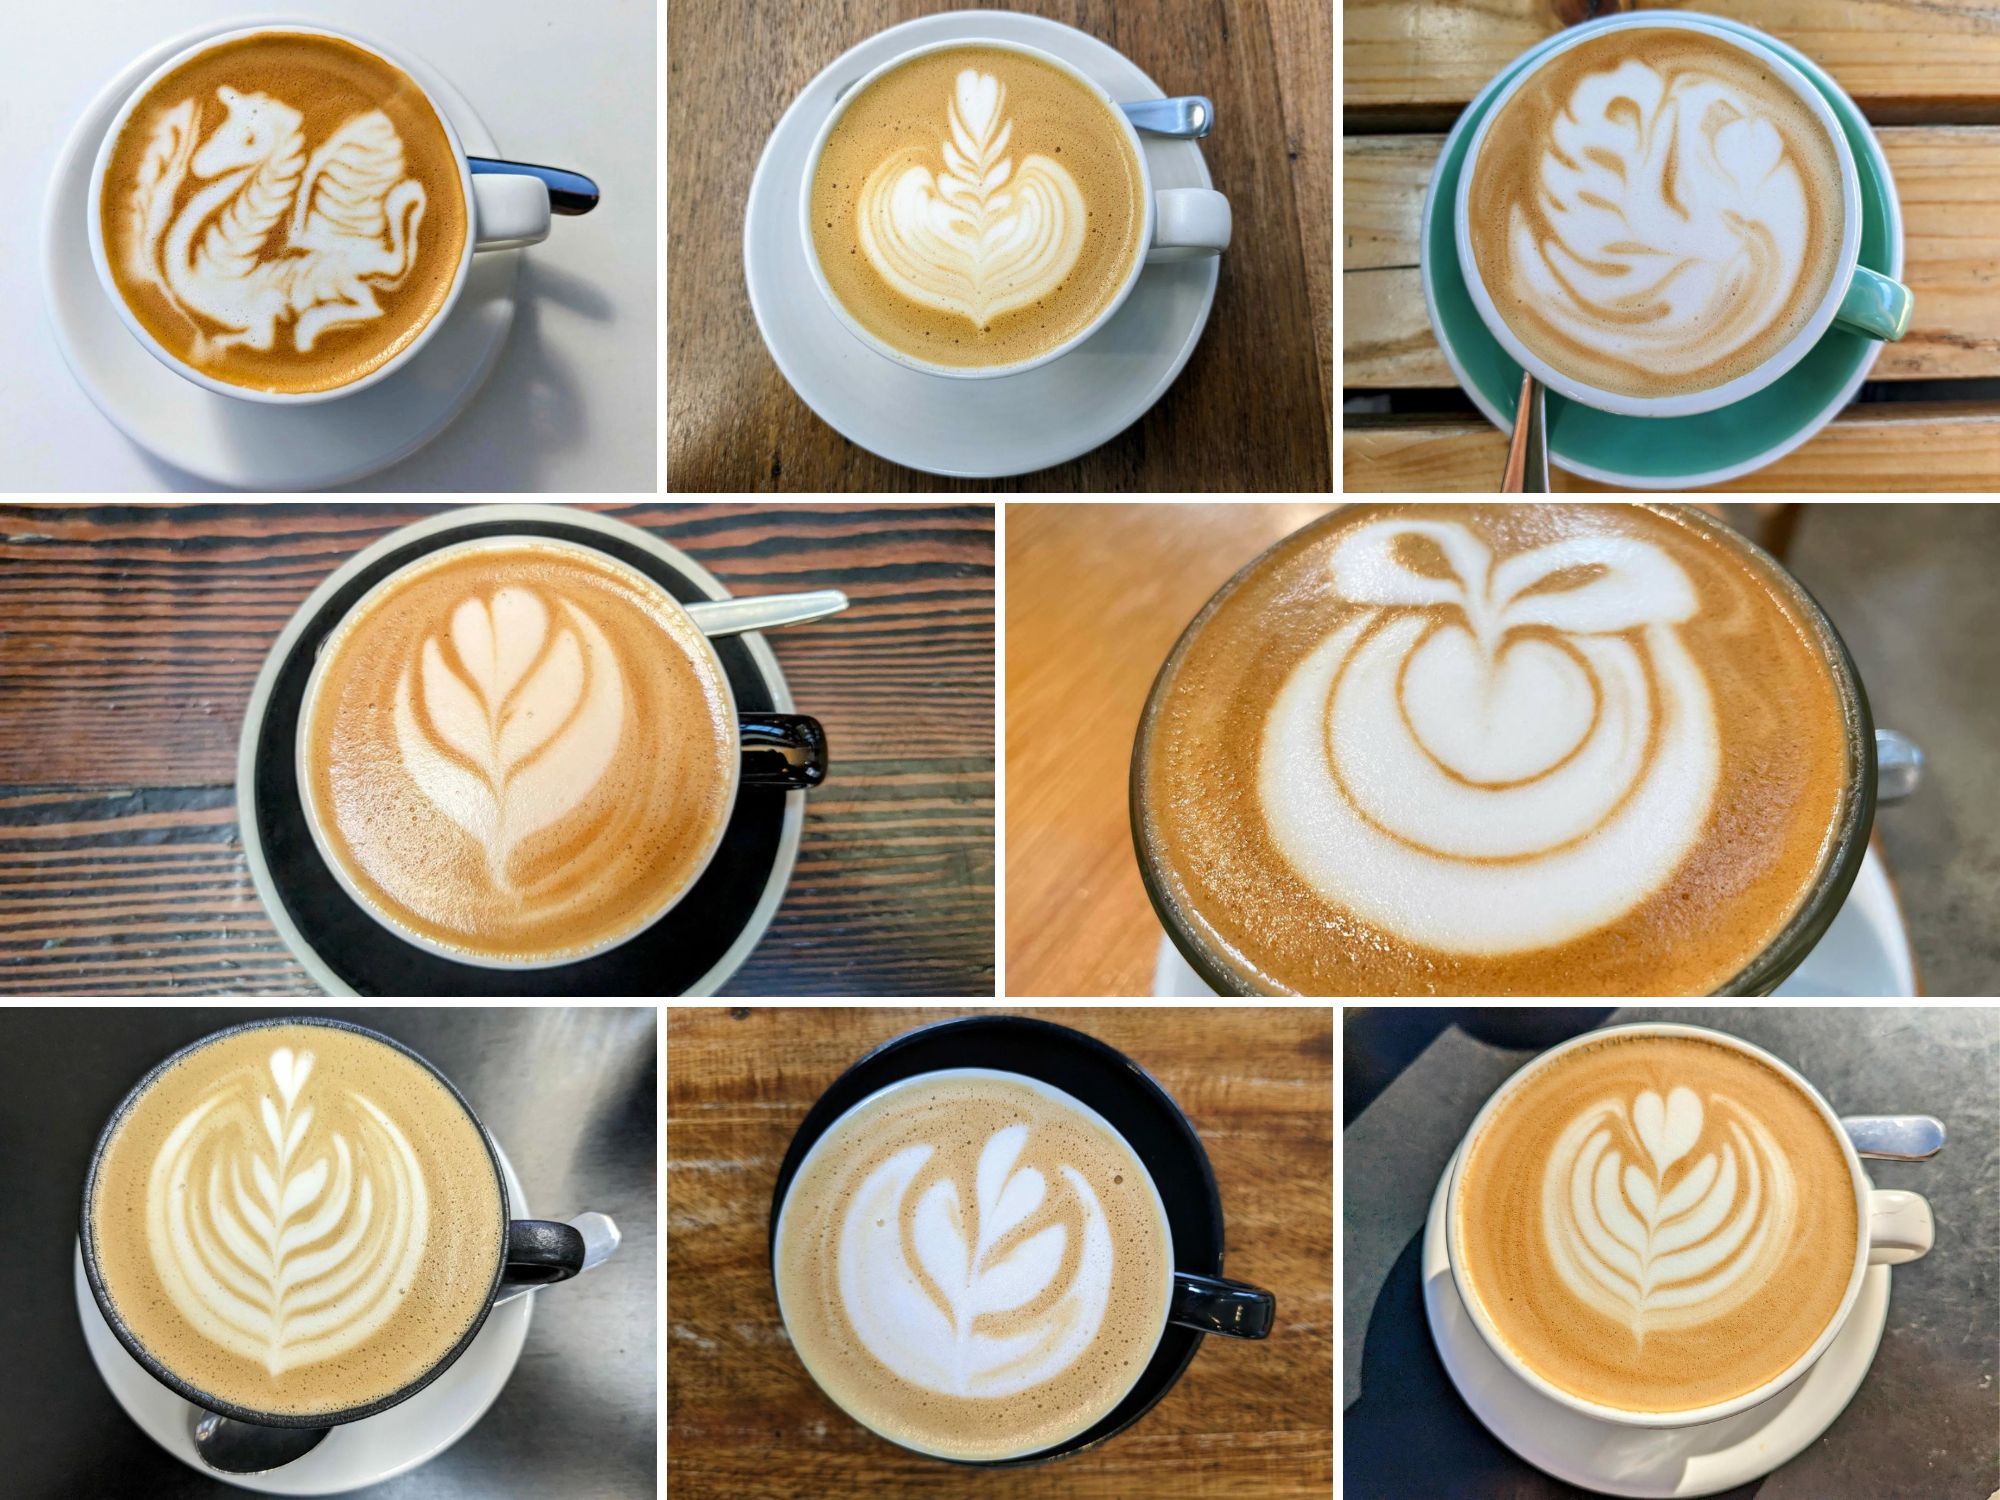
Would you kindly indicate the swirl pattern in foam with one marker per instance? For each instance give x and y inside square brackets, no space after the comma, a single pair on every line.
[296,1218]
[1654,212]
[973,1264]
[1544,749]
[1656,1222]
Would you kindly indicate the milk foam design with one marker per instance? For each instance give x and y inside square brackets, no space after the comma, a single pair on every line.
[1492,762]
[1667,1213]
[286,1222]
[986,235]
[1675,225]
[277,233]
[512,719]
[916,1294]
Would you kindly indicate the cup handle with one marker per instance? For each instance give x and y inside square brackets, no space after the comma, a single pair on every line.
[509,210]
[1189,223]
[1900,1227]
[1899,765]
[541,1252]
[1211,1304]
[782,750]
[1875,306]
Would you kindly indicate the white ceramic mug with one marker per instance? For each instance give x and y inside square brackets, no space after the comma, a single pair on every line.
[1180,223]
[1891,1227]
[1859,299]
[503,211]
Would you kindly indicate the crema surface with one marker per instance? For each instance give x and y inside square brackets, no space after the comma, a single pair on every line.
[1542,749]
[976,206]
[520,751]
[1657,1223]
[284,212]
[297,1219]
[1654,213]
[972,1266]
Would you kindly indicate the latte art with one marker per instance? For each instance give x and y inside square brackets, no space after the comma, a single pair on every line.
[284,212]
[973,1264]
[1653,212]
[296,1218]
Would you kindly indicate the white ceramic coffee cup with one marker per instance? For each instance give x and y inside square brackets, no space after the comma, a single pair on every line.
[1180,223]
[503,211]
[1891,1227]
[1860,299]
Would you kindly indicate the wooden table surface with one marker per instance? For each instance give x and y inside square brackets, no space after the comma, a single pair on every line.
[130,637]
[1927,76]
[1253,409]
[745,1421]
[1096,597]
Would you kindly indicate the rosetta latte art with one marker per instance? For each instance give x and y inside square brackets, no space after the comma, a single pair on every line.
[1500,759]
[510,719]
[286,1220]
[1667,1213]
[250,228]
[955,1291]
[988,234]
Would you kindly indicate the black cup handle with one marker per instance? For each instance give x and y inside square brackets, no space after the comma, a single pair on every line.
[787,750]
[1212,1304]
[541,1252]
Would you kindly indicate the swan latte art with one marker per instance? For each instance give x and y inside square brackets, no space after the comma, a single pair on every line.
[976,206]
[1656,1222]
[296,1219]
[973,1264]
[1544,749]
[1654,212]
[518,750]
[284,212]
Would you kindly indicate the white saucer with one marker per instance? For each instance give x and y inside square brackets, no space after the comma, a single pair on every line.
[1865,952]
[1630,1461]
[241,443]
[978,429]
[354,1455]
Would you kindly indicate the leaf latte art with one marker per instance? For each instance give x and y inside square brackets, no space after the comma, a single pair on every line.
[1667,1213]
[287,1223]
[1500,758]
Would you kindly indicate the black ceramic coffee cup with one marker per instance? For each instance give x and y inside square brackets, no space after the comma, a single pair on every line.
[1201,1302]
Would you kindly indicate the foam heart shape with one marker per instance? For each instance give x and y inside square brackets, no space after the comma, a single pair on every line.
[1502,721]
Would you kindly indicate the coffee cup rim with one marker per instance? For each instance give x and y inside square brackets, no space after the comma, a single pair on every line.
[101,260]
[1709,398]
[310,694]
[846,98]
[1689,1416]
[1062,1097]
[154,1366]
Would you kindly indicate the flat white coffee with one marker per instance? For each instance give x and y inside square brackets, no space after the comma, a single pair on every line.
[1539,749]
[974,1265]
[1657,1223]
[1654,212]
[297,1219]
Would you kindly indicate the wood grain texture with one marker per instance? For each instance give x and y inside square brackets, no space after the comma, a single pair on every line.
[1885,446]
[1096,597]
[1412,64]
[745,1421]
[130,638]
[1253,409]
[1948,179]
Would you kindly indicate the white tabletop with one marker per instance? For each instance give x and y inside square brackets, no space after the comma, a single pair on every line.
[574,402]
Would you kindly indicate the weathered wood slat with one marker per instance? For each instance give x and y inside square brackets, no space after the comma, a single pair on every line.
[1948,178]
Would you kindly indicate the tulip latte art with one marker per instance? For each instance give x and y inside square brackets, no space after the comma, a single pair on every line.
[297,1219]
[973,1265]
[1654,213]
[519,750]
[284,212]
[1488,750]
[976,206]
[1657,1223]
